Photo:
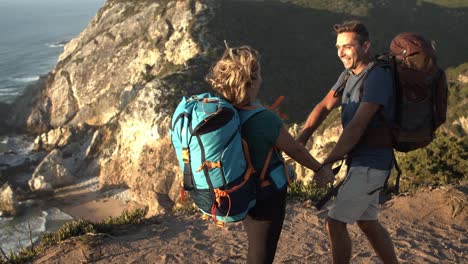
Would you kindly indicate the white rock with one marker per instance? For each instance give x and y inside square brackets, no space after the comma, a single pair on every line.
[8,202]
[50,173]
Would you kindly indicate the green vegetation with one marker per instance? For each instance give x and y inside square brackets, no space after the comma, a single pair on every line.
[444,161]
[301,191]
[361,8]
[73,229]
[186,207]
[352,7]
[447,3]
[169,68]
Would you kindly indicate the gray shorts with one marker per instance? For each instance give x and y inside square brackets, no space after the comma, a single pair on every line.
[353,201]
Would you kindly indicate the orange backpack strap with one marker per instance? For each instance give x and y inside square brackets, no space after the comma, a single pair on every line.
[275,105]
[263,182]
[248,172]
[225,193]
[278,101]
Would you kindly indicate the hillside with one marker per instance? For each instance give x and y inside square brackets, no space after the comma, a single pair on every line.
[298,47]
[427,227]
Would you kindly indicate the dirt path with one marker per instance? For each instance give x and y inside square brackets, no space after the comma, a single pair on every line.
[421,225]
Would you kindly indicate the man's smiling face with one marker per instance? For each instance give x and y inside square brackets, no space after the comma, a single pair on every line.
[351,52]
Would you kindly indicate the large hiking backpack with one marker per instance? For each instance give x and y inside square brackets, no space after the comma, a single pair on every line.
[206,136]
[217,171]
[421,88]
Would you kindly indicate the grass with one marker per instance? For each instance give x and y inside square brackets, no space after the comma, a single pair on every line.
[186,207]
[302,191]
[73,229]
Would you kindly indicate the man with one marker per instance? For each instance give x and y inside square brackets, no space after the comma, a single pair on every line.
[367,104]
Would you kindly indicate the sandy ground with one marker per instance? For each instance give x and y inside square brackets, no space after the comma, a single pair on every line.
[421,225]
[84,200]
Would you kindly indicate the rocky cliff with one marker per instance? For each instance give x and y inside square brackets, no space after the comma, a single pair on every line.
[104,110]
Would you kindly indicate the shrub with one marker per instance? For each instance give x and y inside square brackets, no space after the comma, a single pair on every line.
[299,190]
[444,161]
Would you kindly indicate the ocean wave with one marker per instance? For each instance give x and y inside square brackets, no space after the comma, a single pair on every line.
[54,214]
[22,144]
[18,233]
[8,89]
[26,79]
[14,94]
[57,44]
[4,219]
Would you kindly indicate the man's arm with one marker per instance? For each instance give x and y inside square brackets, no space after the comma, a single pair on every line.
[353,131]
[318,114]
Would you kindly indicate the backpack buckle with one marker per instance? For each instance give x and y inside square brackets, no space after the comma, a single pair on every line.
[185,155]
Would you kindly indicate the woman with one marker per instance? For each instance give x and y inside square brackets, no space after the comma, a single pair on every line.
[237,77]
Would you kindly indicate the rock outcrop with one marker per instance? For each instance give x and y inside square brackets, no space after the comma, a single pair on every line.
[8,202]
[125,45]
[5,112]
[103,111]
[51,173]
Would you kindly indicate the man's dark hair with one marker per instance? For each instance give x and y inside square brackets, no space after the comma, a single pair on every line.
[353,26]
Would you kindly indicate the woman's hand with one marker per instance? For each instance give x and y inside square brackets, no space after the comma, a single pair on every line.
[324,176]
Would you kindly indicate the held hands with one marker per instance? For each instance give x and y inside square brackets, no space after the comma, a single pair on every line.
[324,176]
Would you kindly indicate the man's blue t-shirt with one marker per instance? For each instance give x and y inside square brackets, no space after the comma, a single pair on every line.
[378,89]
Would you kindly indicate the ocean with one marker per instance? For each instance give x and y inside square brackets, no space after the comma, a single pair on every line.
[32,36]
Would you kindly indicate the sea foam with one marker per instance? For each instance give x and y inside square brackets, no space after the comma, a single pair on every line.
[18,232]
[57,44]
[15,232]
[26,79]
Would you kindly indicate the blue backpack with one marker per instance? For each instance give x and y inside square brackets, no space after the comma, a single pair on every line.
[217,171]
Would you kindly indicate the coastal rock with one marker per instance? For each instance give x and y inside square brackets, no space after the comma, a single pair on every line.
[8,202]
[5,112]
[54,138]
[60,137]
[139,155]
[50,173]
[124,46]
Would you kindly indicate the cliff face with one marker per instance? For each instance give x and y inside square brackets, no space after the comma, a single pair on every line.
[106,105]
[118,81]
[127,44]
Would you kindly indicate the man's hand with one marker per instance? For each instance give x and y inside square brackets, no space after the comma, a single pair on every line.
[324,176]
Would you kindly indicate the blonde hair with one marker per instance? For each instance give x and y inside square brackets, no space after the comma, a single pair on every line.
[234,73]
